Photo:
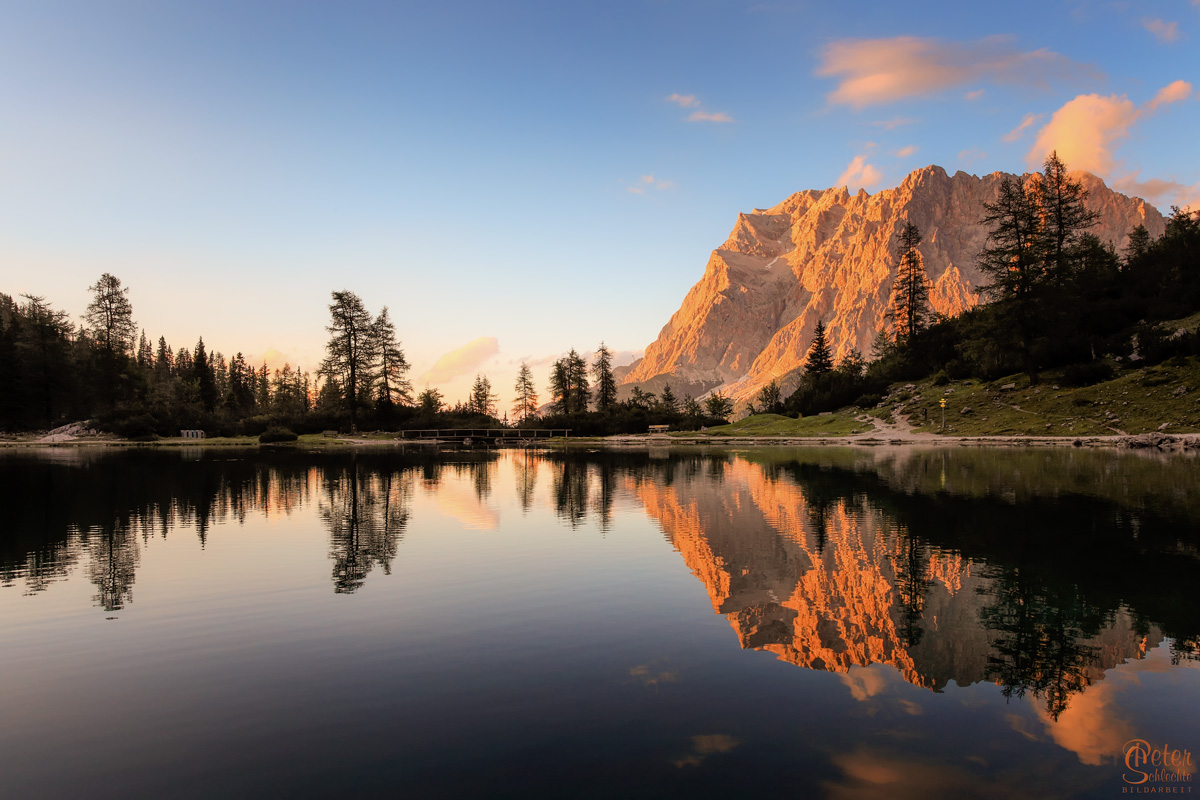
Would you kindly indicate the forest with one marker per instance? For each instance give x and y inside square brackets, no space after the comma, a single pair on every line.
[1058,300]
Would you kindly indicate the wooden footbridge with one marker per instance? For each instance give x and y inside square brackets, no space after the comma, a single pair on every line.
[470,436]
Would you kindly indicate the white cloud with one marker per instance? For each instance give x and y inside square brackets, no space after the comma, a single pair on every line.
[1019,131]
[905,152]
[461,361]
[859,174]
[709,116]
[683,100]
[874,71]
[1163,31]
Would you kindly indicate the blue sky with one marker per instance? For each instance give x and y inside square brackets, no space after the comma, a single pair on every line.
[514,179]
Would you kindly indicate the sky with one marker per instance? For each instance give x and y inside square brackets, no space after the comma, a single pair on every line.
[516,179]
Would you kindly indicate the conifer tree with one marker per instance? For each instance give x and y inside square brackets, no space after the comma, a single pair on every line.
[350,352]
[430,400]
[109,317]
[482,401]
[606,384]
[770,399]
[668,400]
[526,393]
[820,357]
[910,291]
[1066,218]
[393,388]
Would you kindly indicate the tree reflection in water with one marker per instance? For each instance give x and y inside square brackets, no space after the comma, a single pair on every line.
[366,514]
[1034,571]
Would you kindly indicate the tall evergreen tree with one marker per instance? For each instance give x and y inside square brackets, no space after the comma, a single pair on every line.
[429,400]
[483,401]
[770,399]
[605,383]
[202,373]
[578,389]
[718,405]
[109,317]
[350,352]
[910,291]
[560,387]
[393,388]
[1065,219]
[1013,261]
[668,400]
[820,357]
[525,405]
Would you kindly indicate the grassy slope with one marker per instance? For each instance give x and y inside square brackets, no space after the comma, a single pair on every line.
[1134,402]
[840,423]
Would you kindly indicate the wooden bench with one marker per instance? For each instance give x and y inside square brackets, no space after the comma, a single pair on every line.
[659,428]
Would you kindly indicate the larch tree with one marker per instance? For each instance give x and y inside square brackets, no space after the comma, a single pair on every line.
[606,385]
[577,376]
[526,394]
[350,352]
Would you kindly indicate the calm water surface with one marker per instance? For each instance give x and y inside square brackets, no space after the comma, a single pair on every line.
[755,623]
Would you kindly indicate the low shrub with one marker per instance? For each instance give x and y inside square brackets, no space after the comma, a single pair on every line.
[276,434]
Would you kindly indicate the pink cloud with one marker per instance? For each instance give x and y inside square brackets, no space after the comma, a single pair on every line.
[1019,131]
[874,71]
[709,116]
[683,100]
[462,361]
[1163,31]
[859,174]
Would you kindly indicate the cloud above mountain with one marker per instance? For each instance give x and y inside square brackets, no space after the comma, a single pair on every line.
[876,71]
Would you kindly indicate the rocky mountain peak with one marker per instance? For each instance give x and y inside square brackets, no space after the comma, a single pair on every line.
[831,255]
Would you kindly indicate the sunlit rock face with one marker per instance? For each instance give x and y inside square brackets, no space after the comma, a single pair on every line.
[833,582]
[831,255]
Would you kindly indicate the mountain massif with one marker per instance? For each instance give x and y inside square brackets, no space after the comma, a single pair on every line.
[830,255]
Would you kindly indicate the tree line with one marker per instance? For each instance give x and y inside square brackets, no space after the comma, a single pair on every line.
[1057,299]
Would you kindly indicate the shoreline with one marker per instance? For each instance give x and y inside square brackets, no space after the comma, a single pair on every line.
[889,436]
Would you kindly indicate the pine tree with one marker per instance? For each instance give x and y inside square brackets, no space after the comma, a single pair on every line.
[579,392]
[718,405]
[145,353]
[483,401]
[393,388]
[202,373]
[910,291]
[1013,260]
[109,317]
[820,357]
[770,399]
[430,401]
[527,399]
[350,352]
[668,400]
[606,384]
[1066,218]
[691,408]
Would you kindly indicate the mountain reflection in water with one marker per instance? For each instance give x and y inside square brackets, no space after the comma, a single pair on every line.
[1034,570]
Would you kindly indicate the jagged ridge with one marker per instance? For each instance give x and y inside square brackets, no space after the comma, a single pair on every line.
[831,255]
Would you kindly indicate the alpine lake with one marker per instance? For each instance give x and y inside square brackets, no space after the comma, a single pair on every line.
[518,623]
